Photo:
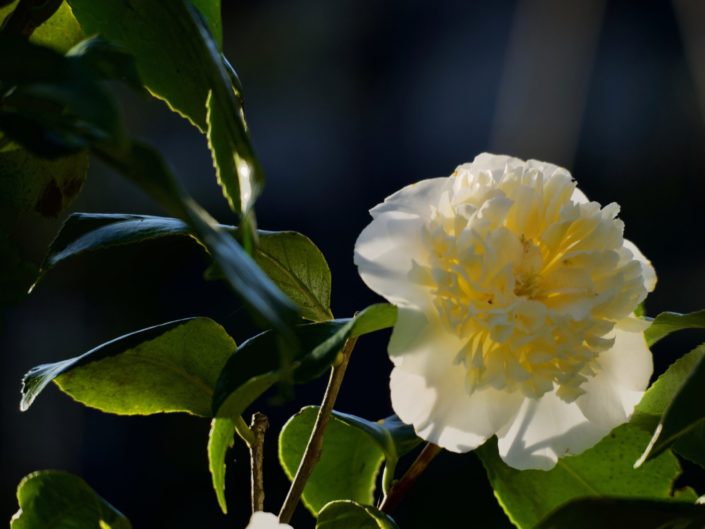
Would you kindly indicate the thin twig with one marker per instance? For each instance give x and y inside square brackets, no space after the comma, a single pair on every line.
[315,442]
[259,426]
[401,487]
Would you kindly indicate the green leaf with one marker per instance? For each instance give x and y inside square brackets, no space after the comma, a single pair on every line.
[669,322]
[298,267]
[146,168]
[351,515]
[47,187]
[57,105]
[108,61]
[349,463]
[220,439]
[604,470]
[618,513]
[167,368]
[60,32]
[290,259]
[51,498]
[169,50]
[683,415]
[349,444]
[181,64]
[254,367]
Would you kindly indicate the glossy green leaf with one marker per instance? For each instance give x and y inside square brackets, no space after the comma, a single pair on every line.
[290,259]
[299,268]
[254,368]
[47,187]
[604,470]
[57,106]
[683,415]
[55,499]
[60,32]
[618,513]
[669,322]
[167,46]
[146,168]
[351,515]
[107,61]
[181,64]
[349,463]
[220,439]
[167,368]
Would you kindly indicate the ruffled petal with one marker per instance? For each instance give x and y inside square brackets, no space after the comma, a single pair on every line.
[623,373]
[544,430]
[647,268]
[391,246]
[265,520]
[428,388]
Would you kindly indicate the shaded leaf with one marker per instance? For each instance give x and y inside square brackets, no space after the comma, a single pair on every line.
[352,515]
[684,413]
[606,469]
[47,187]
[57,106]
[167,46]
[618,513]
[180,63]
[669,322]
[146,168]
[254,368]
[108,61]
[290,259]
[167,368]
[349,463]
[51,498]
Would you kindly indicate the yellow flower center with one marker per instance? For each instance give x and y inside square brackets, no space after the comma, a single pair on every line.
[530,280]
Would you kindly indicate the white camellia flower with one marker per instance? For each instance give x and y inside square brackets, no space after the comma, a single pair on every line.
[265,520]
[515,299]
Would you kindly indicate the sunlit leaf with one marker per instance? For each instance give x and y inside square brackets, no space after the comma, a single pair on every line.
[290,259]
[220,439]
[179,62]
[55,499]
[60,32]
[167,368]
[349,463]
[669,322]
[352,515]
[167,47]
[604,470]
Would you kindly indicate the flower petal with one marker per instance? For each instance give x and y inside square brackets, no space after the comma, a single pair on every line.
[647,268]
[428,387]
[622,376]
[265,520]
[388,248]
[544,430]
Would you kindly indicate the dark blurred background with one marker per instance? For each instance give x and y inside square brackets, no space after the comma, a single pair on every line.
[348,101]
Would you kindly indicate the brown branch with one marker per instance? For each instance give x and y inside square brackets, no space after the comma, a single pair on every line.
[315,442]
[259,426]
[400,488]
